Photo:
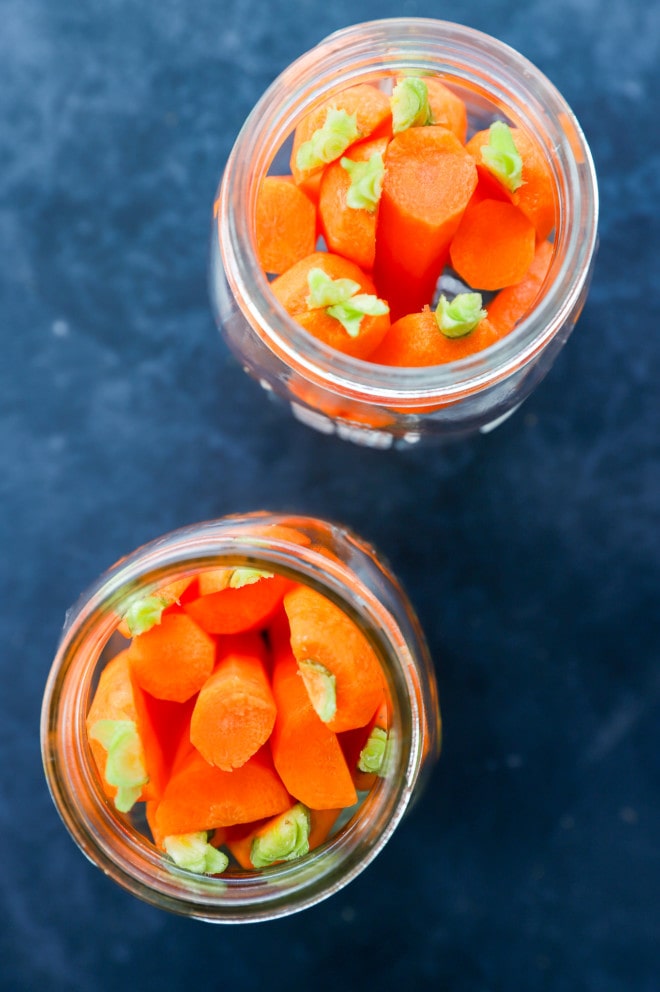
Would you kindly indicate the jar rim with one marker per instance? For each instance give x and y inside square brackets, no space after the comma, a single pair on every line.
[106,838]
[348,56]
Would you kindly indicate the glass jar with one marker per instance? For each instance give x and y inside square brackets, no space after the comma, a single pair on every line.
[361,401]
[341,567]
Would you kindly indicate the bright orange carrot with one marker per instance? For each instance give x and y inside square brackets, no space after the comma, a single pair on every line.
[513,302]
[493,246]
[363,111]
[174,659]
[348,210]
[199,796]
[235,709]
[123,738]
[429,179]
[325,322]
[237,609]
[306,753]
[447,108]
[285,224]
[535,194]
[416,340]
[339,667]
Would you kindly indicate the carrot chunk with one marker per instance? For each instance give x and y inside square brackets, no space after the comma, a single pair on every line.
[237,609]
[285,225]
[513,302]
[306,753]
[493,246]
[338,665]
[174,659]
[200,796]
[417,340]
[234,712]
[429,179]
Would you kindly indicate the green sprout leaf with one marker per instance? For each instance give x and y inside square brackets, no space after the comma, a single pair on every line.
[366,182]
[410,104]
[124,767]
[325,291]
[321,687]
[329,141]
[145,612]
[458,317]
[372,754]
[350,314]
[194,853]
[286,838]
[501,157]
[247,576]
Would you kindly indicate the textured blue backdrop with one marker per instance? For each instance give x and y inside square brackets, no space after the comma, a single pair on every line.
[531,554]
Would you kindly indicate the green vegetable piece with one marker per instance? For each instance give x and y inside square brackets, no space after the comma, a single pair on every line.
[410,104]
[286,838]
[501,157]
[145,612]
[124,766]
[321,687]
[194,853]
[366,182]
[325,291]
[329,141]
[372,754]
[350,314]
[458,317]
[247,576]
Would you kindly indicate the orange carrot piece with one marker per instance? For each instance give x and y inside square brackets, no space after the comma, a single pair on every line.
[447,108]
[199,796]
[535,196]
[306,753]
[235,709]
[371,108]
[325,640]
[285,224]
[493,246]
[292,290]
[238,610]
[349,231]
[429,179]
[118,698]
[513,302]
[174,659]
[415,341]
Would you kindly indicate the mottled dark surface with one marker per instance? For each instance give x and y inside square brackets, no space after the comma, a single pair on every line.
[531,554]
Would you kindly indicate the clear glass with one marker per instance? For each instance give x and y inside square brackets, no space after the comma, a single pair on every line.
[373,404]
[339,565]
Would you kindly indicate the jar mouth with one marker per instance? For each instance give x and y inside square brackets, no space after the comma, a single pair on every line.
[120,848]
[471,60]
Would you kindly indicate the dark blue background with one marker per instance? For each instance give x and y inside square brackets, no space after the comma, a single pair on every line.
[531,554]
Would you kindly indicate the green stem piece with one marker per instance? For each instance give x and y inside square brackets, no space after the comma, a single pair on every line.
[372,754]
[366,182]
[145,612]
[247,576]
[410,104]
[321,687]
[341,300]
[286,838]
[458,317]
[194,853]
[328,142]
[501,157]
[124,766]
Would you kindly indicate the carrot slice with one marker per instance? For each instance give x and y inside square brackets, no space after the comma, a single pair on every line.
[285,224]
[235,709]
[294,292]
[493,246]
[415,341]
[174,659]
[123,738]
[306,753]
[235,610]
[513,302]
[429,179]
[347,217]
[369,108]
[199,796]
[338,665]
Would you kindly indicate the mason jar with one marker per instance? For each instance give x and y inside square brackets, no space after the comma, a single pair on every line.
[361,401]
[330,559]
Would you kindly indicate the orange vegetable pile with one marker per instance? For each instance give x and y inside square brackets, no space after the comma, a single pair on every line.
[387,194]
[244,713]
